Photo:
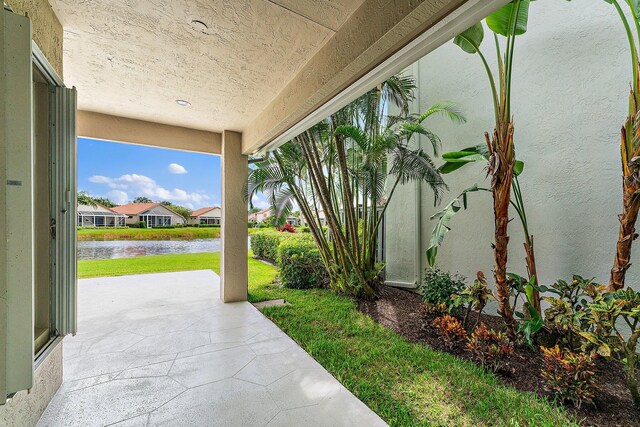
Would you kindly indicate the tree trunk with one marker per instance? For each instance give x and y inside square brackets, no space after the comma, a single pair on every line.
[531,269]
[630,197]
[501,168]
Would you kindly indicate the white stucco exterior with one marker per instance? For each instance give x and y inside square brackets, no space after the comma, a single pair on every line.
[570,81]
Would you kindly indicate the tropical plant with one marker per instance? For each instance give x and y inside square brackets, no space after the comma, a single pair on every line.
[621,307]
[568,313]
[142,199]
[440,287]
[509,22]
[340,167]
[489,348]
[105,202]
[449,329]
[474,297]
[569,376]
[630,155]
[85,199]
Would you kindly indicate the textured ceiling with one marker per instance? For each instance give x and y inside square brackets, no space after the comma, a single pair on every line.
[134,58]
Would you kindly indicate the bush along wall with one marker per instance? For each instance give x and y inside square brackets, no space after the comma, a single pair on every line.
[295,254]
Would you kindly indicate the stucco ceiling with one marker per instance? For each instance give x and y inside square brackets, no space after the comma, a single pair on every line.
[135,58]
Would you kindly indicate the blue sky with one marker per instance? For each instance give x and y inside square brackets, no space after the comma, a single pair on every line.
[122,172]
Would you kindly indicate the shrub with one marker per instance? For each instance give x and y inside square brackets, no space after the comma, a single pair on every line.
[611,311]
[569,376]
[139,224]
[264,244]
[569,313]
[489,348]
[287,228]
[300,264]
[438,287]
[427,310]
[474,297]
[450,329]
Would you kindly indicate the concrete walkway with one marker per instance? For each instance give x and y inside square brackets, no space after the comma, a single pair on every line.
[162,349]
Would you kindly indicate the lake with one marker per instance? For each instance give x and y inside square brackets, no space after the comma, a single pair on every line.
[98,249]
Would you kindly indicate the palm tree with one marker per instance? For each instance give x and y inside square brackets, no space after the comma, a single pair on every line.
[349,166]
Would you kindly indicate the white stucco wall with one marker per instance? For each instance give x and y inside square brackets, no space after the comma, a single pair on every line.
[571,80]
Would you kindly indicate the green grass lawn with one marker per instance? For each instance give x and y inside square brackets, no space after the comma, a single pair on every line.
[406,384]
[186,233]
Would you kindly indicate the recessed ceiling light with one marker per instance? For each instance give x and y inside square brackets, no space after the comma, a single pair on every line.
[183,103]
[199,26]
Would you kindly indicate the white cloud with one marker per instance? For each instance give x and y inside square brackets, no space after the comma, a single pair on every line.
[117,196]
[259,201]
[141,185]
[177,169]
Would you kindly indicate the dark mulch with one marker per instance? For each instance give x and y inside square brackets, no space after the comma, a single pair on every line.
[399,310]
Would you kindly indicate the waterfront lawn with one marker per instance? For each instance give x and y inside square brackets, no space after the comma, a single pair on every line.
[185,233]
[406,384]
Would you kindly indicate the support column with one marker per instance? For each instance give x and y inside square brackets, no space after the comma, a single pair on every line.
[233,260]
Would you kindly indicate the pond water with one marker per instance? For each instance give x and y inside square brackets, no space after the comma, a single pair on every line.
[98,249]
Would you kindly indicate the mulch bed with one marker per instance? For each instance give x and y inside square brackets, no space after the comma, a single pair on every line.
[399,310]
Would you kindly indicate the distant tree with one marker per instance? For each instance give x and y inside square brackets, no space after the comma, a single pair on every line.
[85,199]
[105,202]
[180,210]
[254,210]
[142,199]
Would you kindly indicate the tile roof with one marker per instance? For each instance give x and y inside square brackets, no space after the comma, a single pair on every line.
[134,208]
[201,211]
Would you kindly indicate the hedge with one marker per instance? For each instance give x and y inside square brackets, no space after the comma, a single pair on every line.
[300,264]
[264,244]
[295,254]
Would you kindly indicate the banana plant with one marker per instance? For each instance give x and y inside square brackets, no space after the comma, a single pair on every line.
[455,160]
[630,155]
[507,23]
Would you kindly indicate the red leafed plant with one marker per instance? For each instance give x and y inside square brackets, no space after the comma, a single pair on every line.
[569,376]
[287,228]
[450,329]
[428,309]
[489,348]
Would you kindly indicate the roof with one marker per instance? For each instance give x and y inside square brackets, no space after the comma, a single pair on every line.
[201,211]
[98,208]
[134,208]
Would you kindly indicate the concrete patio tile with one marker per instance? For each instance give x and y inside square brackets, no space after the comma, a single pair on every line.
[209,367]
[68,386]
[150,360]
[154,370]
[209,348]
[228,403]
[233,335]
[172,342]
[309,416]
[273,345]
[303,388]
[92,365]
[139,421]
[111,343]
[162,324]
[203,363]
[111,402]
[269,368]
[352,411]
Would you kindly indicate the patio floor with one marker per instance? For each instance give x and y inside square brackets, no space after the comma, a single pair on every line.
[162,349]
